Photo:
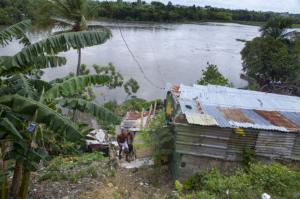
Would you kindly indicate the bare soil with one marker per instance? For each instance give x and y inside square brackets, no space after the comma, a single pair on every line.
[140,183]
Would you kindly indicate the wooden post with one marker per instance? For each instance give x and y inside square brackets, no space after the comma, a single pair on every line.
[142,119]
[154,110]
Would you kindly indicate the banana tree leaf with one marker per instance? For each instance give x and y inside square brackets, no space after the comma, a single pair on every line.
[18,84]
[75,85]
[97,111]
[53,120]
[15,31]
[39,84]
[9,127]
[61,43]
[10,65]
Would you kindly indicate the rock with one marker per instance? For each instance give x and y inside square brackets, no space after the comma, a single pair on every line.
[141,183]
[110,185]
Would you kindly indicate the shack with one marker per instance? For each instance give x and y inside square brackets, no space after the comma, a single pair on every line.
[213,126]
[136,121]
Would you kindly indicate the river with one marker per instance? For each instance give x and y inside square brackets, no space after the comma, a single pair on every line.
[167,53]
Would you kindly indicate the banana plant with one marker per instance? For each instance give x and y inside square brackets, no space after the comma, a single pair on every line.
[72,16]
[29,107]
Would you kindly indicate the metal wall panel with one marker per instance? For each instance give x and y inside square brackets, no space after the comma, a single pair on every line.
[275,145]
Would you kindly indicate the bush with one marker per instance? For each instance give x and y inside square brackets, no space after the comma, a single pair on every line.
[159,138]
[201,195]
[211,75]
[73,168]
[277,180]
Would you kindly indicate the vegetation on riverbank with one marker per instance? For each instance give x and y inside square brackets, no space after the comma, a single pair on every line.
[271,61]
[35,129]
[139,11]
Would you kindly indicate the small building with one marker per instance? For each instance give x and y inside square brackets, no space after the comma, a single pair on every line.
[136,121]
[214,125]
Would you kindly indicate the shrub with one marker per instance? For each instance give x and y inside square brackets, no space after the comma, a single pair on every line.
[276,179]
[73,168]
[211,75]
[158,138]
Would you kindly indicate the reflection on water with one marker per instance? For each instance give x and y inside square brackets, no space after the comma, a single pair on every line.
[175,53]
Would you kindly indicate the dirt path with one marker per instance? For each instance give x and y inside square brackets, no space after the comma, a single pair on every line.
[145,182]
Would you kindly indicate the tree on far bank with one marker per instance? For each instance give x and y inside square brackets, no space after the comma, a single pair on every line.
[211,75]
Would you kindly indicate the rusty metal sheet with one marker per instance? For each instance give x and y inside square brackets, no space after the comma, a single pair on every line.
[235,115]
[277,119]
[237,108]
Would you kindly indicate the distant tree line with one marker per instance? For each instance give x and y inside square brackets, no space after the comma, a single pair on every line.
[16,10]
[13,11]
[157,11]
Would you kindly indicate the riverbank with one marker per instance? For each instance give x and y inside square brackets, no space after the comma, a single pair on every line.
[249,23]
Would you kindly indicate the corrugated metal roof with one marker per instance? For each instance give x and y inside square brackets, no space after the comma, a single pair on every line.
[201,119]
[237,98]
[233,108]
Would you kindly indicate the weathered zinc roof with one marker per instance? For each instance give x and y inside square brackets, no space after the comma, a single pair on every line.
[235,108]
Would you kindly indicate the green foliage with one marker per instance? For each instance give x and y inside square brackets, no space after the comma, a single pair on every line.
[247,157]
[61,162]
[26,101]
[159,138]
[131,86]
[212,76]
[272,57]
[89,107]
[46,115]
[157,11]
[133,104]
[60,43]
[110,70]
[277,180]
[200,195]
[15,31]
[75,85]
[74,168]
[276,27]
[194,182]
[73,11]
[178,186]
[269,57]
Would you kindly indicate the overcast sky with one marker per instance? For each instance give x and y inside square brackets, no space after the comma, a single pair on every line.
[292,6]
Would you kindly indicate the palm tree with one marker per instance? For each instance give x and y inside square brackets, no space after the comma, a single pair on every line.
[27,102]
[276,27]
[73,15]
